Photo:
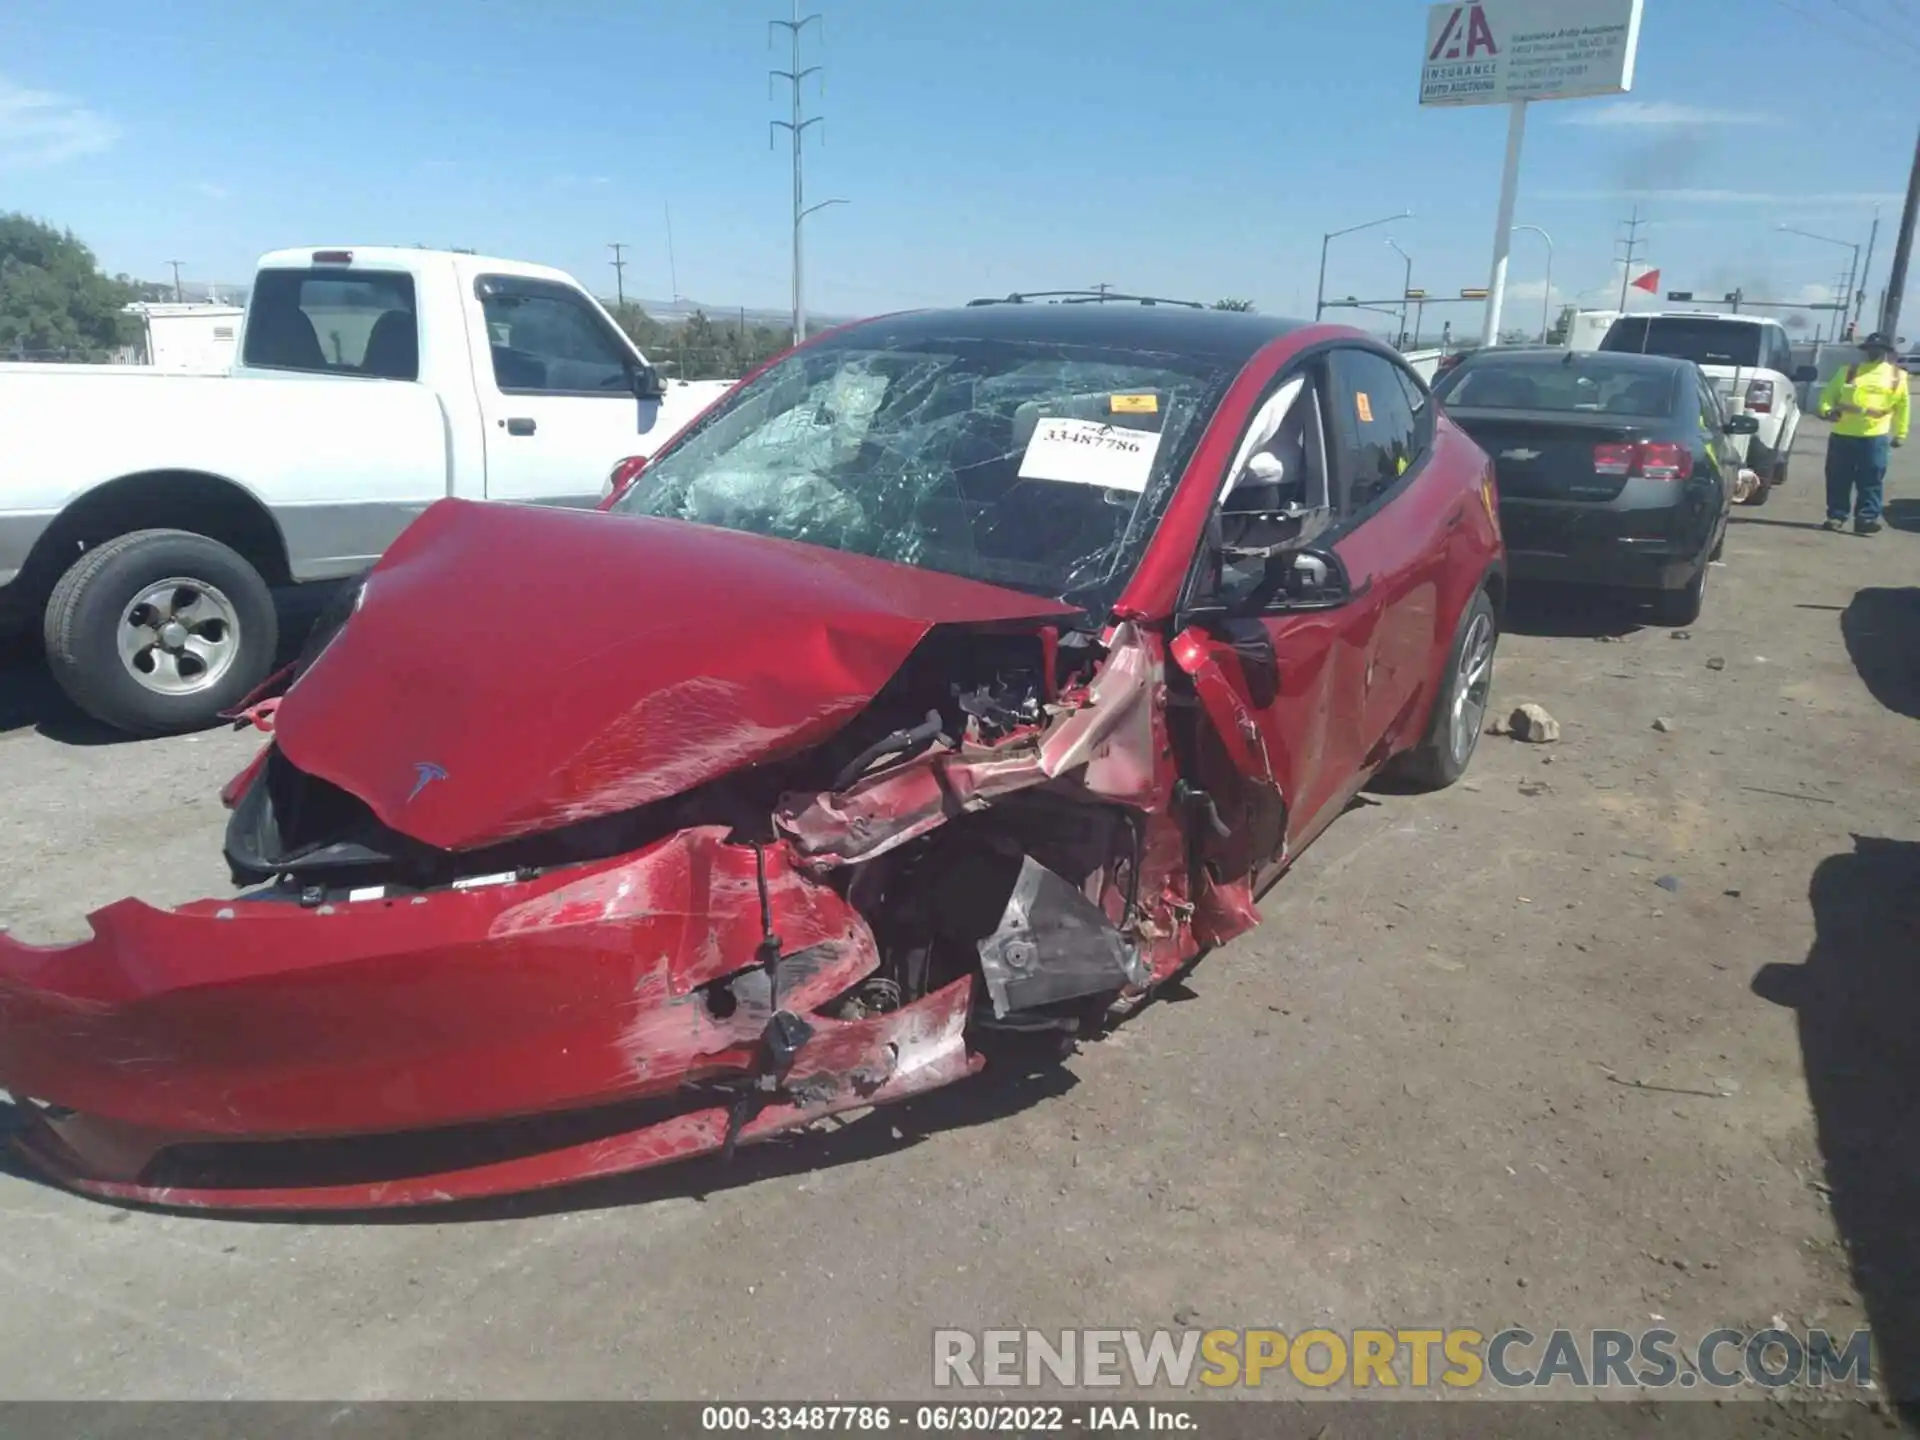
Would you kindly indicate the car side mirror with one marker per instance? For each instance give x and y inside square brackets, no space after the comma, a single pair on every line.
[623,475]
[1743,425]
[1299,578]
[1805,375]
[647,383]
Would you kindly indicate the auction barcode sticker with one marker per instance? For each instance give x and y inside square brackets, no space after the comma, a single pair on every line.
[1087,452]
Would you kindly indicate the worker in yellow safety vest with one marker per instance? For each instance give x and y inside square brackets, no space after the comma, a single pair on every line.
[1871,409]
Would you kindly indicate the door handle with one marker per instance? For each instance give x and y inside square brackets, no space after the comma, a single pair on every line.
[519,425]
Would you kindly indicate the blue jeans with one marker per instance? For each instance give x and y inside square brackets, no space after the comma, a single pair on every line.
[1856,466]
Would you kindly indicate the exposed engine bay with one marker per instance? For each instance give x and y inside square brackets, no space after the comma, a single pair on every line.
[610,941]
[1029,868]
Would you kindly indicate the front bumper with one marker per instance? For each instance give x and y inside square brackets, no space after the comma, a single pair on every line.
[257,1054]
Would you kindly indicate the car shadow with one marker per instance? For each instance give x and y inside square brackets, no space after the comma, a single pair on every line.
[1902,515]
[1882,631]
[1018,1076]
[29,698]
[1571,612]
[1738,519]
[1857,1003]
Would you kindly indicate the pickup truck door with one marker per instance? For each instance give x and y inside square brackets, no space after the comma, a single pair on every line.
[556,393]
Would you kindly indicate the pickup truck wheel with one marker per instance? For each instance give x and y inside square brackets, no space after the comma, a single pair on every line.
[1460,707]
[158,631]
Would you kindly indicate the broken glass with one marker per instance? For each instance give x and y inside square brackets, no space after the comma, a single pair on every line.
[1040,467]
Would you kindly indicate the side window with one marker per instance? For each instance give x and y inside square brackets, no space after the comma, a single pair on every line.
[1277,492]
[1711,419]
[547,339]
[1376,436]
[333,322]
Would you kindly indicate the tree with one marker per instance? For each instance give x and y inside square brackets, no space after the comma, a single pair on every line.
[1233,305]
[699,347]
[1562,327]
[54,299]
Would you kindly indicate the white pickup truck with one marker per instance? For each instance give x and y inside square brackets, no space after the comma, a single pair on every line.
[143,514]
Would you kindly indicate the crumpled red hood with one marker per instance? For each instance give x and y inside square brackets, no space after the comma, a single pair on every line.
[514,668]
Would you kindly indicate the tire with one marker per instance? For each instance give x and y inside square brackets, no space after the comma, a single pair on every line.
[158,631]
[1761,491]
[1683,606]
[1454,731]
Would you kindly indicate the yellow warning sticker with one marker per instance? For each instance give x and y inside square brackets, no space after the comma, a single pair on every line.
[1364,406]
[1134,404]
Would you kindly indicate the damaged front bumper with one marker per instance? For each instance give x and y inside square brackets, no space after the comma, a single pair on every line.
[261,1054]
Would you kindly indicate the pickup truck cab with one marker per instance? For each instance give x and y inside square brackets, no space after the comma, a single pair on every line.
[1748,359]
[144,515]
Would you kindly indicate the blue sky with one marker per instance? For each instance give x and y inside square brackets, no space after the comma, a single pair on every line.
[1194,149]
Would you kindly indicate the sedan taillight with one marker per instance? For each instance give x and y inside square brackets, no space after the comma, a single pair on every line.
[1647,459]
[1760,397]
[1664,460]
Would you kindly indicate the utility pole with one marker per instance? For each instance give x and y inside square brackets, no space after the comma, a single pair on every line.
[619,264]
[1626,264]
[1101,290]
[673,270]
[796,128]
[1902,253]
[179,295]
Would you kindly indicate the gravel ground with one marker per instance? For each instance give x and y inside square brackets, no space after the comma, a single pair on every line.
[1622,1027]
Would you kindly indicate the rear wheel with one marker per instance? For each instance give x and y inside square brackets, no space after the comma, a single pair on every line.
[1682,607]
[1460,708]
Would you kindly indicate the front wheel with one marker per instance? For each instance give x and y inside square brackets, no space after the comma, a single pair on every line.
[158,631]
[1460,708]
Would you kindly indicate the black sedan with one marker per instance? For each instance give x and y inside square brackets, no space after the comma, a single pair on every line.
[1612,469]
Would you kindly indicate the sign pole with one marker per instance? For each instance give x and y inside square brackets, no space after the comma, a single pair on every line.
[1503,226]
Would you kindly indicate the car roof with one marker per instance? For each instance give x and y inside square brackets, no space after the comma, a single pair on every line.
[1701,315]
[1233,336]
[1543,356]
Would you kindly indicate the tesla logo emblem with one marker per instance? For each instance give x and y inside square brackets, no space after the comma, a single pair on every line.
[425,772]
[1520,455]
[1479,36]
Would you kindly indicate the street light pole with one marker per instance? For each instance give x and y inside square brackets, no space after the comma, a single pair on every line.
[1406,284]
[1840,319]
[1320,290]
[1866,268]
[799,302]
[1546,300]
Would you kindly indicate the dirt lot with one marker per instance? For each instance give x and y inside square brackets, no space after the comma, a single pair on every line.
[1624,1027]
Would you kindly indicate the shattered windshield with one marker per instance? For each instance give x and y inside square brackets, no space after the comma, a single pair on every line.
[1039,467]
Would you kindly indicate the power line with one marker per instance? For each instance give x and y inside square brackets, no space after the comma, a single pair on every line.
[1878,27]
[1846,37]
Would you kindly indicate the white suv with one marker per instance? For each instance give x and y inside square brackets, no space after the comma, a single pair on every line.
[1749,361]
